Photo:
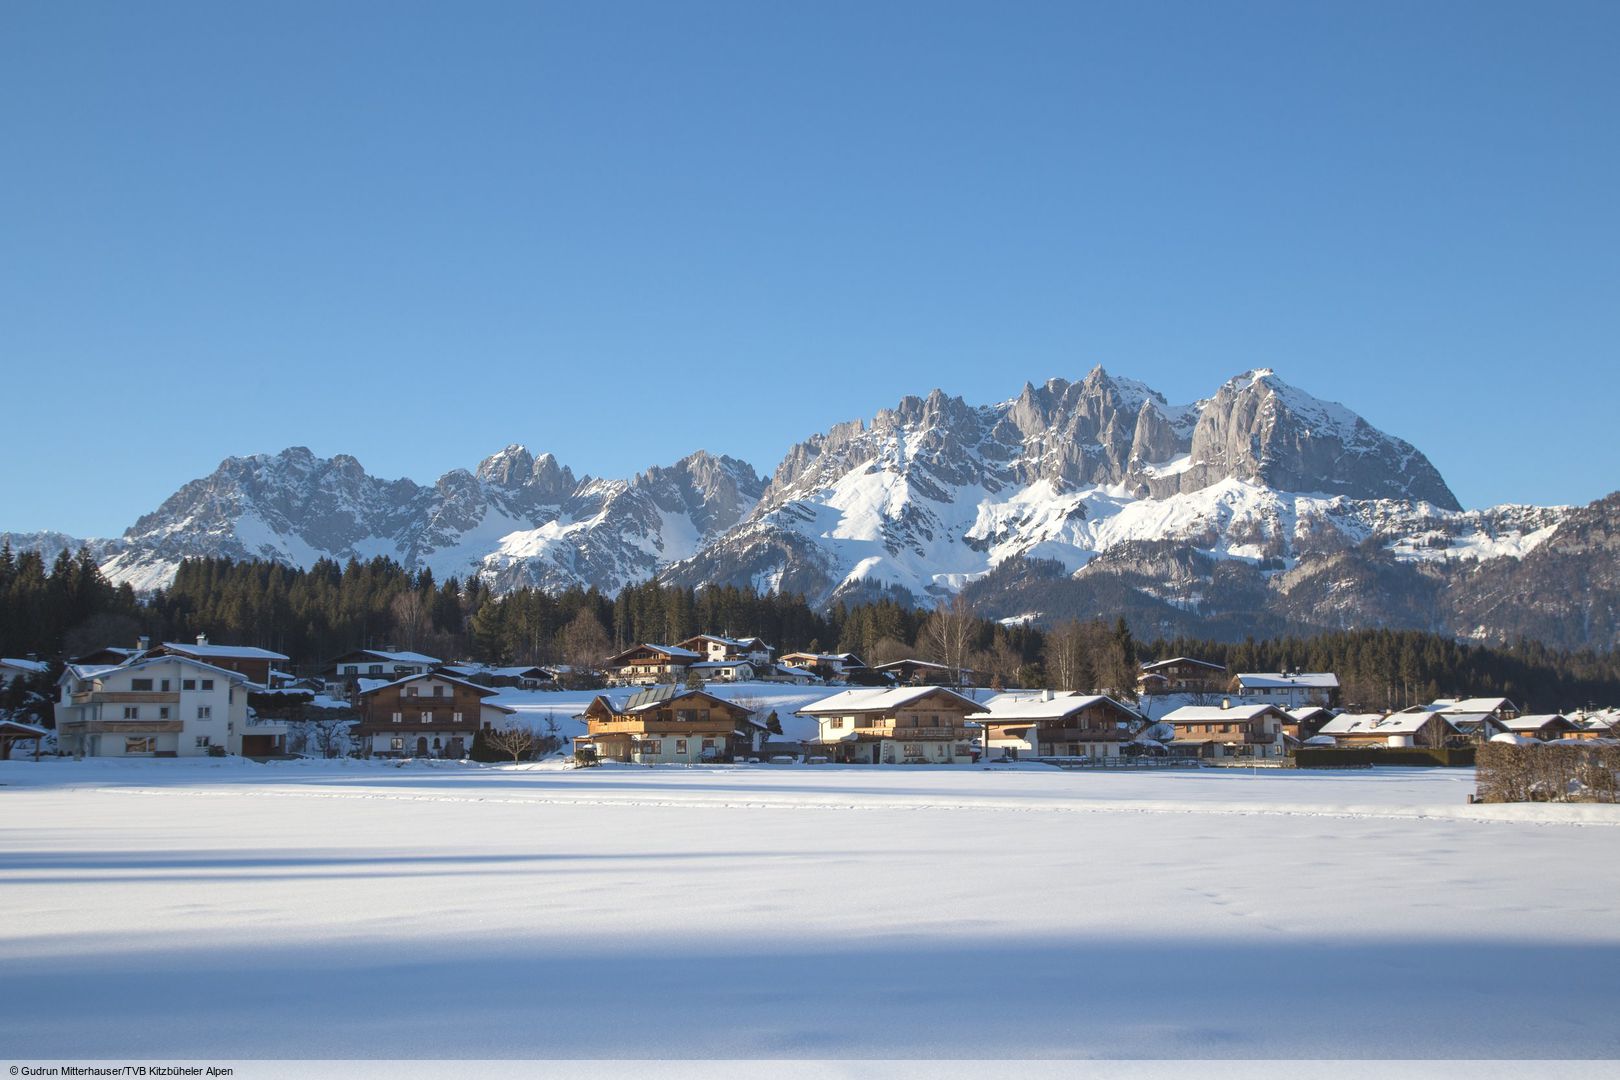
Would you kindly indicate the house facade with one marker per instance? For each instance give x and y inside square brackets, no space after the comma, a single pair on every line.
[714,648]
[426,715]
[668,725]
[828,666]
[894,726]
[160,706]
[1286,690]
[1182,675]
[1417,728]
[925,673]
[1250,731]
[257,665]
[649,665]
[1045,724]
[344,674]
[1543,726]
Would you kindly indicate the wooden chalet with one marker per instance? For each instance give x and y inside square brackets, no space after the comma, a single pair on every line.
[715,648]
[648,664]
[1543,726]
[1419,728]
[1182,675]
[1045,724]
[257,665]
[1227,731]
[896,725]
[347,673]
[828,666]
[667,724]
[1306,723]
[426,715]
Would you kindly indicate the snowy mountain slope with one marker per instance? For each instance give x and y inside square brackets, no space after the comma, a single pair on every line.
[1259,505]
[934,492]
[517,520]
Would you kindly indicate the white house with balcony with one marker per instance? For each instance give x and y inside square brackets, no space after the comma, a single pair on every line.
[910,725]
[1285,689]
[161,706]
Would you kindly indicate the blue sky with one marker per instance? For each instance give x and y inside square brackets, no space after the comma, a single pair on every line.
[619,232]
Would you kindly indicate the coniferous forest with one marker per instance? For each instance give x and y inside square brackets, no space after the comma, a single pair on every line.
[67,608]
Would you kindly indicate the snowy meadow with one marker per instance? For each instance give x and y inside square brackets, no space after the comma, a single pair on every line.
[357,909]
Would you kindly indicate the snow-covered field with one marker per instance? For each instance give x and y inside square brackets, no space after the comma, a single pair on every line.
[352,909]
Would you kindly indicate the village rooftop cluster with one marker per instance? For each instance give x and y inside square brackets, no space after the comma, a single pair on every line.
[660,705]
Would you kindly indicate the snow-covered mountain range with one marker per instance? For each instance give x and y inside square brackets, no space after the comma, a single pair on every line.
[923,500]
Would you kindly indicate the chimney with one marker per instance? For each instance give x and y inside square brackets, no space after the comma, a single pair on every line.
[1226,703]
[143,643]
[1046,695]
[202,639]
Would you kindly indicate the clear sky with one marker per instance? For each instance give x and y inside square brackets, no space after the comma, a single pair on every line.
[619,232]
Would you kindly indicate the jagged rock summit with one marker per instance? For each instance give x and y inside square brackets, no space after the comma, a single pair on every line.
[1100,479]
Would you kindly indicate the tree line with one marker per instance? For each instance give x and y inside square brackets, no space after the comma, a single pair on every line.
[69,609]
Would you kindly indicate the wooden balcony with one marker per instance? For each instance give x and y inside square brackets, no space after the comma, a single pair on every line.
[654,726]
[126,697]
[121,727]
[886,729]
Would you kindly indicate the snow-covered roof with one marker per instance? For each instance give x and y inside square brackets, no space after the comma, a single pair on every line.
[1151,665]
[913,663]
[1278,680]
[483,691]
[1534,722]
[1474,705]
[789,669]
[394,656]
[223,652]
[1204,714]
[880,699]
[1308,712]
[1401,723]
[17,727]
[516,671]
[709,665]
[1015,706]
[95,671]
[36,666]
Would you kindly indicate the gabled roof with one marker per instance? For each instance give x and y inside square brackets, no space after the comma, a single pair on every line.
[1205,714]
[1475,705]
[1017,706]
[96,671]
[674,652]
[1309,712]
[709,665]
[517,671]
[482,691]
[223,652]
[18,729]
[1182,660]
[390,656]
[1535,722]
[1401,723]
[38,667]
[881,699]
[1278,680]
[651,698]
[736,643]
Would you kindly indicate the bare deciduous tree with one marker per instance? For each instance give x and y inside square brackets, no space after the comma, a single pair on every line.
[585,643]
[517,740]
[413,618]
[948,634]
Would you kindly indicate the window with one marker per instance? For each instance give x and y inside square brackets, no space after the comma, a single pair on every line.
[163,712]
[439,689]
[708,744]
[202,741]
[142,744]
[680,746]
[164,686]
[399,718]
[208,684]
[455,717]
[132,712]
[352,669]
[653,747]
[375,669]
[205,712]
[396,743]
[140,686]
[838,722]
[188,684]
[410,691]
[427,716]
